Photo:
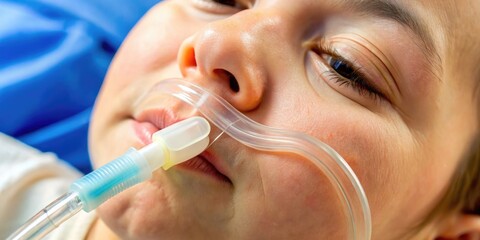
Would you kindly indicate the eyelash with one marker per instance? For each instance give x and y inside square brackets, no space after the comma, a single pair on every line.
[357,80]
[220,4]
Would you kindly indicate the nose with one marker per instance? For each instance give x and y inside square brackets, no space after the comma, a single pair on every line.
[226,58]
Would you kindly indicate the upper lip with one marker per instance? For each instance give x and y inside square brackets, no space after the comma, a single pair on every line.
[162,118]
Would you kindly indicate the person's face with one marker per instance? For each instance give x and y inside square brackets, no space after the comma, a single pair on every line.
[355,75]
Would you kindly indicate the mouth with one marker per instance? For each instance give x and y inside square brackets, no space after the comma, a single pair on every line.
[144,131]
[149,122]
[205,164]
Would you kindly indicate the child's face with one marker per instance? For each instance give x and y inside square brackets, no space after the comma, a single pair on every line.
[362,77]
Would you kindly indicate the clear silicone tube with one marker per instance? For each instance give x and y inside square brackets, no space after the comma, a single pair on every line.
[261,137]
[49,218]
[172,145]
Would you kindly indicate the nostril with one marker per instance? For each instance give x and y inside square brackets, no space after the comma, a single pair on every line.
[232,81]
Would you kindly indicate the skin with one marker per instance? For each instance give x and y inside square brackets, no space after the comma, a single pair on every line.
[395,142]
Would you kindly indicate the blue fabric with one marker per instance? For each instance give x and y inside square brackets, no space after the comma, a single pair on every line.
[53,57]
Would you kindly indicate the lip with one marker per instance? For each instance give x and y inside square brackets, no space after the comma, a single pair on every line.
[144,131]
[150,121]
[160,118]
[205,164]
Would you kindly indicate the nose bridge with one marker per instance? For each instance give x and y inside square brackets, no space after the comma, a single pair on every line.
[246,31]
[233,51]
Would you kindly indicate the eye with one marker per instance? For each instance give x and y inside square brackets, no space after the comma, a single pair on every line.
[220,6]
[343,68]
[344,73]
[231,3]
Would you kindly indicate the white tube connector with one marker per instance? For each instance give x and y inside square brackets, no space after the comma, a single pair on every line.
[172,145]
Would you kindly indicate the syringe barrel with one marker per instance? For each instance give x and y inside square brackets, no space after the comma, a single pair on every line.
[111,179]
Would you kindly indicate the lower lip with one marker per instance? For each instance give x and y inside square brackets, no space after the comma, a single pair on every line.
[144,131]
[200,164]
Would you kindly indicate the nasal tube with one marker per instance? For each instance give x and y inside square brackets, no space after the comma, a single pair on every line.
[170,146]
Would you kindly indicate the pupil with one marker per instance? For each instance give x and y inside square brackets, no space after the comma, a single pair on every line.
[342,68]
[231,3]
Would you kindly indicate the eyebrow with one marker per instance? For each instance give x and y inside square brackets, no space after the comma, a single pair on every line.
[390,10]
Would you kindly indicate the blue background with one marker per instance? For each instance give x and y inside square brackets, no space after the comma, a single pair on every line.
[53,57]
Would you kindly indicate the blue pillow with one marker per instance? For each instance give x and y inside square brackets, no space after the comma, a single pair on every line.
[53,57]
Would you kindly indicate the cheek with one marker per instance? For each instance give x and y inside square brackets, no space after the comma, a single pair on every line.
[145,210]
[299,198]
[152,44]
[389,165]
[382,153]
